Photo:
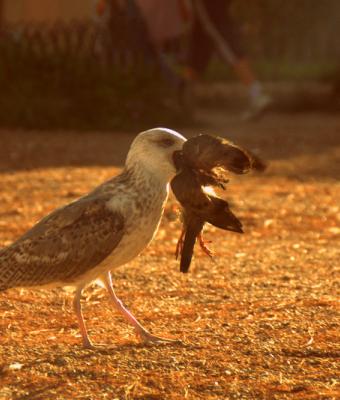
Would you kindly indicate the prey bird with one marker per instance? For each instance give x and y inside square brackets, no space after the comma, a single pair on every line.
[86,239]
[199,207]
[204,161]
[215,155]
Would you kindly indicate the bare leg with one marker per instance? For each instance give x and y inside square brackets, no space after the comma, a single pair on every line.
[77,308]
[140,330]
[204,247]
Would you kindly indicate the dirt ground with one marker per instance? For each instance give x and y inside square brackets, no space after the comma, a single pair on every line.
[260,321]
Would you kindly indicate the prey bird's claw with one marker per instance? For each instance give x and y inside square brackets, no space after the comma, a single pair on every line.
[207,251]
[204,247]
[179,246]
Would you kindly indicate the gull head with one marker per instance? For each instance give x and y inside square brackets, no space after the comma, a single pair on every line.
[153,150]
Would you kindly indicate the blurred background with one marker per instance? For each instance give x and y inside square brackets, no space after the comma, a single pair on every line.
[96,64]
[78,80]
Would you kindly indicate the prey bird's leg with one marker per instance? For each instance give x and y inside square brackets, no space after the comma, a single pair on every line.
[140,330]
[204,247]
[179,247]
[77,308]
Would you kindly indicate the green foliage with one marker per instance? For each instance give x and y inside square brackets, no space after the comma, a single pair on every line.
[275,70]
[294,30]
[63,91]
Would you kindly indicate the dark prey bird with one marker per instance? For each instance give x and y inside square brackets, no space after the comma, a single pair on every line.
[199,207]
[214,155]
[204,161]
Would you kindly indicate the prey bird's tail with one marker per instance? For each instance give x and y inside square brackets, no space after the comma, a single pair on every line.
[223,217]
[193,229]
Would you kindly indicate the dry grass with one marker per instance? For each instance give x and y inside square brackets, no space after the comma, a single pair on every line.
[260,322]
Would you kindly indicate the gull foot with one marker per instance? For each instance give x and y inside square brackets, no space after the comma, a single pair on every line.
[90,346]
[147,337]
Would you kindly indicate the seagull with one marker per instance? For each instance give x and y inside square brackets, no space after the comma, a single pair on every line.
[86,239]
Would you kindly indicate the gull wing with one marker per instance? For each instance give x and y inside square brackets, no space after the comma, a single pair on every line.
[64,245]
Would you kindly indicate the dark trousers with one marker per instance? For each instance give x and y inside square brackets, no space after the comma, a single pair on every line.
[202,46]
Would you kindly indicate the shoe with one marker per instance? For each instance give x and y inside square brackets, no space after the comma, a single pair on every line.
[257,107]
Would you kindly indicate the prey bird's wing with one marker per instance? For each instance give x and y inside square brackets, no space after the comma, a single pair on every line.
[188,191]
[62,246]
[206,152]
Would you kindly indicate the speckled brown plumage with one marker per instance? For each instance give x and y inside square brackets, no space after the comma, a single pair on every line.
[87,239]
[62,246]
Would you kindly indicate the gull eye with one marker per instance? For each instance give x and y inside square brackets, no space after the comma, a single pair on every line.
[165,142]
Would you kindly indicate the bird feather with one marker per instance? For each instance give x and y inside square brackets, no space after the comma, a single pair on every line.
[64,245]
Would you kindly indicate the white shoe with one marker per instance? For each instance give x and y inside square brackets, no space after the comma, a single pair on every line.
[257,107]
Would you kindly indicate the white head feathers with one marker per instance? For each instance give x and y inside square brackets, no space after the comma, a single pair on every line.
[153,150]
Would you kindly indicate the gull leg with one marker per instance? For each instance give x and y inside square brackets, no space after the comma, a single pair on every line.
[140,330]
[77,308]
[204,247]
[179,247]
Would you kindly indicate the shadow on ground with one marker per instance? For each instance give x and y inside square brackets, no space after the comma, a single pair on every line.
[298,145]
